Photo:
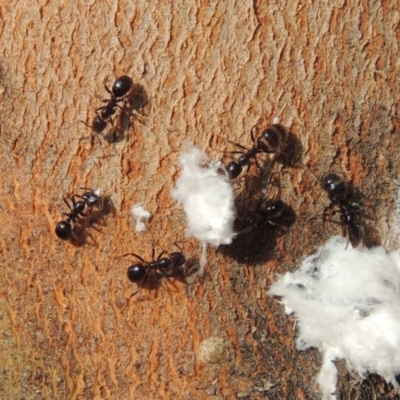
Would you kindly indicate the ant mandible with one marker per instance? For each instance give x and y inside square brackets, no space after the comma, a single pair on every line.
[166,266]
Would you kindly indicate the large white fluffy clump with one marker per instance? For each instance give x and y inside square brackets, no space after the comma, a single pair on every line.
[204,190]
[347,304]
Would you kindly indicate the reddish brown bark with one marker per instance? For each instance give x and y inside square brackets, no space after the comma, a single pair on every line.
[329,71]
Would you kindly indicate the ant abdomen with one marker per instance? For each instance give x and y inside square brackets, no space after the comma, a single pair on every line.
[233,169]
[178,259]
[122,86]
[64,230]
[273,210]
[271,139]
[160,266]
[136,272]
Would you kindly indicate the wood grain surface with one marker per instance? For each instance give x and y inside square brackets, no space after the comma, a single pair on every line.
[210,70]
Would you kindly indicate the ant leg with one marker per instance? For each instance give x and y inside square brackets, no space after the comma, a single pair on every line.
[345,232]
[133,254]
[91,127]
[252,132]
[167,277]
[109,91]
[101,108]
[134,294]
[329,211]
[179,247]
[83,122]
[73,198]
[81,220]
[348,241]
[238,145]
[66,202]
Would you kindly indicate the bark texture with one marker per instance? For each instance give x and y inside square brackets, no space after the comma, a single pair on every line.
[210,70]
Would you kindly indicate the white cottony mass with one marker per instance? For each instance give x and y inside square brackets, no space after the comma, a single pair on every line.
[347,305]
[206,193]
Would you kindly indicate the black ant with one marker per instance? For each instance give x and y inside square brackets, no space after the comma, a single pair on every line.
[270,141]
[348,201]
[274,214]
[164,266]
[64,228]
[119,90]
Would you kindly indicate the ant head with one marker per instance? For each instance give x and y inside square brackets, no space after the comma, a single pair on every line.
[92,197]
[136,272]
[329,179]
[64,230]
[177,258]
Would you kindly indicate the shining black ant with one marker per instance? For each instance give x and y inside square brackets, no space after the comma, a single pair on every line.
[235,168]
[64,228]
[268,214]
[274,214]
[120,89]
[270,141]
[164,266]
[346,199]
[104,114]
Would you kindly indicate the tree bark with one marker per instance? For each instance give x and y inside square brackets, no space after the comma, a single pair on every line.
[210,71]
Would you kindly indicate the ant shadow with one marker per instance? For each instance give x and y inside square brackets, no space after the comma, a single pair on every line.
[257,235]
[257,230]
[133,110]
[291,153]
[94,221]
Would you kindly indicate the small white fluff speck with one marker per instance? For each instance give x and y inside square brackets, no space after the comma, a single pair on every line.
[347,305]
[141,216]
[206,193]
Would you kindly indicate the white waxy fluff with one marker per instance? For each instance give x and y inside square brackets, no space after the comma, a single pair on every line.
[141,216]
[347,305]
[206,193]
